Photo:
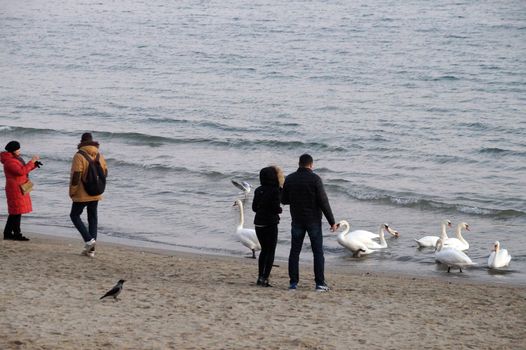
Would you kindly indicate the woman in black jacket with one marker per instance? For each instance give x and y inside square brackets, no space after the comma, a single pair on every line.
[266,205]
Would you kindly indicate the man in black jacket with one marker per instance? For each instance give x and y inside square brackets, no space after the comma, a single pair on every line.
[304,191]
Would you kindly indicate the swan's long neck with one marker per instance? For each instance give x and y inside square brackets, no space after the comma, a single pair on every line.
[383,243]
[443,233]
[241,216]
[459,234]
[346,230]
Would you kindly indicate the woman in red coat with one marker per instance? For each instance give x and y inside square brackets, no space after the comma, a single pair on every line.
[16,171]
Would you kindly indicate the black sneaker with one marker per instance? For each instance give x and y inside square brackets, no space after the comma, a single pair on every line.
[260,281]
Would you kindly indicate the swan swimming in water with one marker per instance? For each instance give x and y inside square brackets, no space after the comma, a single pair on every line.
[498,257]
[247,236]
[431,241]
[357,247]
[367,238]
[459,242]
[451,257]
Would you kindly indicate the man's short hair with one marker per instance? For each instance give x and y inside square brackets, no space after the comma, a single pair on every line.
[306,160]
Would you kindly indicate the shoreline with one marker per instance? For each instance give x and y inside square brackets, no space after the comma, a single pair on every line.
[354,270]
[49,298]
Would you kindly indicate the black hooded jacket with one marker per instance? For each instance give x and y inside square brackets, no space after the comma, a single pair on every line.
[305,193]
[266,203]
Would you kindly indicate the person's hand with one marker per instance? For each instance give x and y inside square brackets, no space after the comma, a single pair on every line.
[38,164]
[35,158]
[335,227]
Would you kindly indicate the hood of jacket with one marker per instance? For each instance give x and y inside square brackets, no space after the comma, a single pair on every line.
[92,150]
[5,156]
[88,143]
[268,176]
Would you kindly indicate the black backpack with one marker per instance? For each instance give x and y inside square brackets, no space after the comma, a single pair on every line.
[95,179]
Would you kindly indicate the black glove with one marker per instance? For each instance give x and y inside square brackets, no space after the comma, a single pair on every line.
[38,164]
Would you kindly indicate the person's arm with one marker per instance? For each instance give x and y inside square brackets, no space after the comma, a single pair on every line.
[77,167]
[285,199]
[323,202]
[18,169]
[275,204]
[256,201]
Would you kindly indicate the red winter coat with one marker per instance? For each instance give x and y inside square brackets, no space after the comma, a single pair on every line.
[16,174]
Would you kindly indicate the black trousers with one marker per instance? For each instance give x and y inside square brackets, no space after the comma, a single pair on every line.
[268,238]
[12,226]
[76,210]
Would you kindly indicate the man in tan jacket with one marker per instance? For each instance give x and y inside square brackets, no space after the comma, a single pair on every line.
[87,149]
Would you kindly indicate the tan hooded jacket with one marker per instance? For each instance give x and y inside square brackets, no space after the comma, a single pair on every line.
[78,169]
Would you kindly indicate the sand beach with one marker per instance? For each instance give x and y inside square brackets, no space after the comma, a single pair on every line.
[49,299]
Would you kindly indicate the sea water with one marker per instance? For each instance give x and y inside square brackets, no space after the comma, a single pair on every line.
[413,111]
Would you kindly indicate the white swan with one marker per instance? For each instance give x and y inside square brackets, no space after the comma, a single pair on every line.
[247,236]
[357,247]
[451,257]
[367,237]
[498,257]
[459,242]
[431,241]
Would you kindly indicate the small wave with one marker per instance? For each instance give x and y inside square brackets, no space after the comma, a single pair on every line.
[24,107]
[215,175]
[286,124]
[418,201]
[157,140]
[489,67]
[28,131]
[454,36]
[427,30]
[474,126]
[154,140]
[493,150]
[500,152]
[438,110]
[206,124]
[447,159]
[443,78]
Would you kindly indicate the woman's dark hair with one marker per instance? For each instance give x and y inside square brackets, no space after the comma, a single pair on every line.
[269,176]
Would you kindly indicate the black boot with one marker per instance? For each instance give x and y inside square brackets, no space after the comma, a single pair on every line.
[266,283]
[19,237]
[8,236]
[260,281]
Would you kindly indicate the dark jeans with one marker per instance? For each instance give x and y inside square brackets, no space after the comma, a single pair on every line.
[268,238]
[316,241]
[12,226]
[76,210]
